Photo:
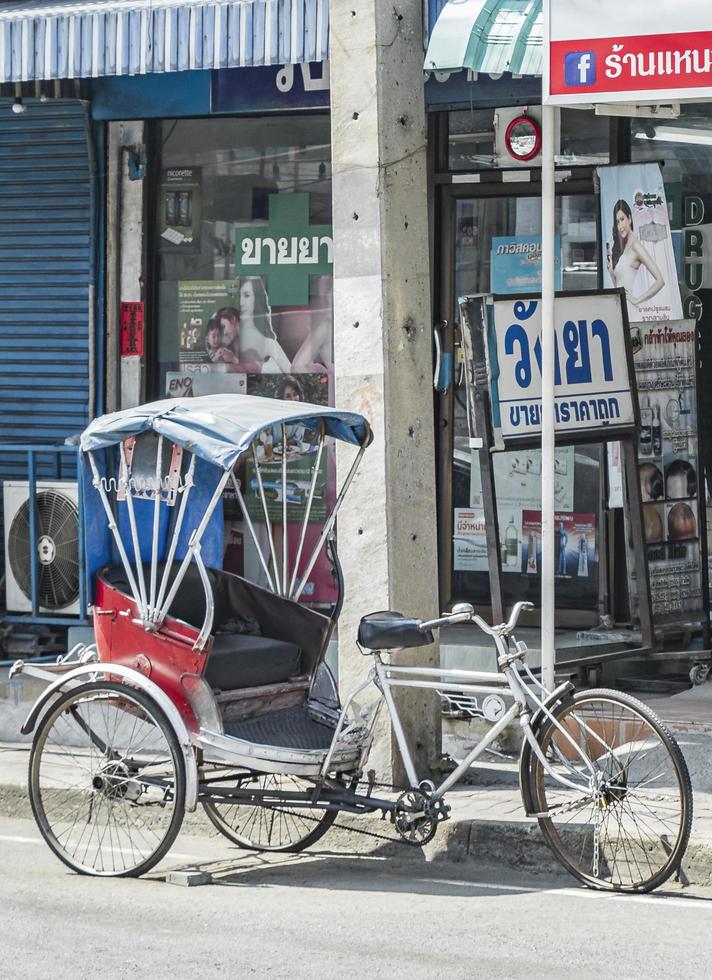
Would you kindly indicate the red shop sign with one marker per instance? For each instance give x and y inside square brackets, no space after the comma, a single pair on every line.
[131,320]
[607,52]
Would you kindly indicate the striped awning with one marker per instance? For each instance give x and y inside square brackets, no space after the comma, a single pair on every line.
[491,36]
[88,39]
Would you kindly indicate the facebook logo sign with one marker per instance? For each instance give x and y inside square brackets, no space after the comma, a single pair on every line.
[580,68]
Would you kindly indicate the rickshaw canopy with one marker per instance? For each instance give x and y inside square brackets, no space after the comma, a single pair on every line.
[219,428]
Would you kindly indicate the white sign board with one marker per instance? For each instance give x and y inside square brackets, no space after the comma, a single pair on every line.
[610,51]
[592,386]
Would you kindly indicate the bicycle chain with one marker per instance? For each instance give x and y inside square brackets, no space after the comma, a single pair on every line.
[390,838]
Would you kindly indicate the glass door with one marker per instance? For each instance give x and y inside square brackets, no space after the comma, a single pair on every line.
[481,235]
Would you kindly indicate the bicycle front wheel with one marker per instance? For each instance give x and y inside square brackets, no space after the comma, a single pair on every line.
[627,825]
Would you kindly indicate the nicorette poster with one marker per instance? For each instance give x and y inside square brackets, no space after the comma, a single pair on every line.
[516,264]
[180,209]
[638,254]
[669,466]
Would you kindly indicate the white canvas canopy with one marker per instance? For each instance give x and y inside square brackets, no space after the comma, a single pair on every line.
[218,428]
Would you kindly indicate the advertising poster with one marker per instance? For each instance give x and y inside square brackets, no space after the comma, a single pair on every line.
[638,254]
[469,541]
[180,209]
[575,544]
[518,486]
[301,448]
[669,463]
[208,338]
[516,264]
[517,477]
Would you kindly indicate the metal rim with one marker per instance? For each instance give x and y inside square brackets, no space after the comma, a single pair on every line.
[628,827]
[107,780]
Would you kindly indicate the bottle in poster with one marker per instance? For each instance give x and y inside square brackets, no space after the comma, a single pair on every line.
[657,432]
[646,427]
[583,556]
[531,555]
[563,539]
[511,543]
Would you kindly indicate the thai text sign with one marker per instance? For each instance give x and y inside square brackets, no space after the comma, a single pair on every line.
[592,367]
[287,251]
[656,56]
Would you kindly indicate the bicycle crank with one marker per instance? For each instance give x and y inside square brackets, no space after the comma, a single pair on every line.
[416,817]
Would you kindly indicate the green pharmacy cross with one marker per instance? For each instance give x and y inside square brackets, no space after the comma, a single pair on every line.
[285,251]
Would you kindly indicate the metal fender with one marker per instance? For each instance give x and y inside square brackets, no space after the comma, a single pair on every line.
[525,756]
[135,679]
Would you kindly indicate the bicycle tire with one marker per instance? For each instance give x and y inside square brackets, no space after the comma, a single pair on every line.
[142,812]
[649,825]
[279,830]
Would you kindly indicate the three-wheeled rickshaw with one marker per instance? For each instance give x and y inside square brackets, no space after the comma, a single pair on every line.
[208,687]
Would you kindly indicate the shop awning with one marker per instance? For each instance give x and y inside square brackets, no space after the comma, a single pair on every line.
[86,38]
[491,36]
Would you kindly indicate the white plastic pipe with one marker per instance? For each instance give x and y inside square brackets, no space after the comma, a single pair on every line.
[548,529]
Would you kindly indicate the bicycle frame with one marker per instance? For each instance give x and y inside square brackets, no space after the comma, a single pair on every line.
[469,685]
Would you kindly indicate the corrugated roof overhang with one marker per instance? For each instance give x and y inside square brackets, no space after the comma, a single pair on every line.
[89,39]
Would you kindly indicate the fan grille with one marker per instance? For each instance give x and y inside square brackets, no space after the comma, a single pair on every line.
[57,551]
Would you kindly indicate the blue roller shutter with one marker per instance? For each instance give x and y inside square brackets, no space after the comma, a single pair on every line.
[46,268]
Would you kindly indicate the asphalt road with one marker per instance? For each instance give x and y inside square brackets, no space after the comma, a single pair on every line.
[332,915]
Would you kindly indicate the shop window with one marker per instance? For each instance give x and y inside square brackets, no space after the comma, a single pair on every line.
[243,244]
[483,263]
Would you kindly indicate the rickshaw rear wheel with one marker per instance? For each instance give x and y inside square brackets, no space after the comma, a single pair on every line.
[107,780]
[259,828]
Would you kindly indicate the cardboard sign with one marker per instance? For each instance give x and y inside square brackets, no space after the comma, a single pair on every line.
[131,320]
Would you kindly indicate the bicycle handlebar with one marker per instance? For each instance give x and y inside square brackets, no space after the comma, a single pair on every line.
[468,615]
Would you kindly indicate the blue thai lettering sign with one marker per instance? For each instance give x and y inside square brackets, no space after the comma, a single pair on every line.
[270,89]
[516,264]
[592,366]
[287,251]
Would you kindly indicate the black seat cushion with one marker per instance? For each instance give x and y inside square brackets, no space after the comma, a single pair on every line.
[239,660]
[388,630]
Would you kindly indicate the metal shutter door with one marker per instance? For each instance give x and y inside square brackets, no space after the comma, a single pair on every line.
[46,272]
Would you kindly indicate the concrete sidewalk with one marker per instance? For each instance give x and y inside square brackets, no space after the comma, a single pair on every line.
[487,825]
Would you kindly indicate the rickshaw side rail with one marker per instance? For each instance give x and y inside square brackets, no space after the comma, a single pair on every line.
[226,750]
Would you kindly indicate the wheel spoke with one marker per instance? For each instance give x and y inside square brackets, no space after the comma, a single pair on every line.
[630,829]
[272,826]
[106,780]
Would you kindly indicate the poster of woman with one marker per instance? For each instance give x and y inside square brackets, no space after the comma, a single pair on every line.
[638,254]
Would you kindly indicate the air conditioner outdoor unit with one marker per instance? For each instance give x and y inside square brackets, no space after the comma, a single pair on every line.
[57,517]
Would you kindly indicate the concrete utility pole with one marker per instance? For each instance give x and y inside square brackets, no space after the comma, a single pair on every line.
[382,334]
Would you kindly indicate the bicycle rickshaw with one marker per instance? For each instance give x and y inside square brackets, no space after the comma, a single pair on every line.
[203,687]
